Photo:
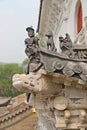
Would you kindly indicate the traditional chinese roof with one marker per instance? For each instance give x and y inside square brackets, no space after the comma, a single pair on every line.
[12,116]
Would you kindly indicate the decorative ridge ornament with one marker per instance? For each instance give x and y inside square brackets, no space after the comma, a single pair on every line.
[57,83]
[71,62]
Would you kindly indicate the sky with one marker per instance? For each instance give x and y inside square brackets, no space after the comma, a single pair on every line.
[15,16]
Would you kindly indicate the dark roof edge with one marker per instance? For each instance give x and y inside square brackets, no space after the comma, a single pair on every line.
[41,1]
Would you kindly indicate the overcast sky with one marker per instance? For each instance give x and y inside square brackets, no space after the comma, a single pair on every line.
[15,16]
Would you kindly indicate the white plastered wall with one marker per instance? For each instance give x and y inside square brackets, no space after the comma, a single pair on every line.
[69,25]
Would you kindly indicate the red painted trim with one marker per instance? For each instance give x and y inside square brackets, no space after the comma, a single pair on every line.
[79,19]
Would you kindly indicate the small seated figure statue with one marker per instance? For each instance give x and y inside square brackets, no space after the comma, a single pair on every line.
[65,42]
[50,42]
[66,45]
[68,40]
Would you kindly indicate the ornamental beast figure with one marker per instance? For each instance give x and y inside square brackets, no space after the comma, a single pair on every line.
[50,42]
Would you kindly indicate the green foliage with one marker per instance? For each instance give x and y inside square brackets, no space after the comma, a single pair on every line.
[25,62]
[6,73]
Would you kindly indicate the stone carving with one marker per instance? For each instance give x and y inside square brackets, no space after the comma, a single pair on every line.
[54,107]
[64,65]
[72,51]
[32,49]
[29,83]
[50,42]
[59,86]
[66,45]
